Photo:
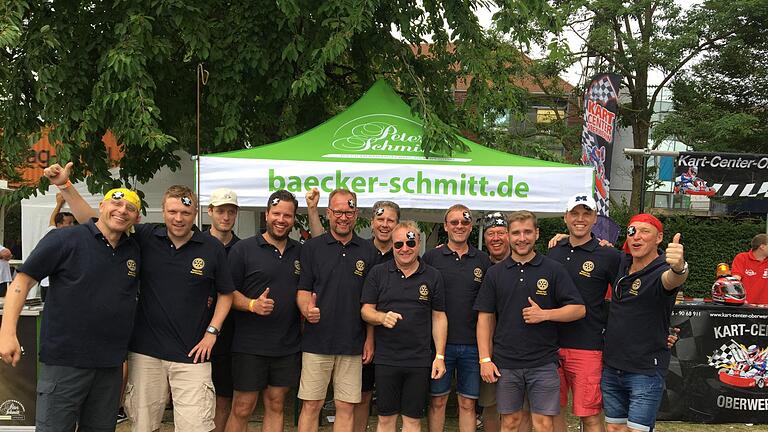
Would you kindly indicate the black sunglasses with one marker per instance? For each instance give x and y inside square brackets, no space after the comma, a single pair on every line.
[409,243]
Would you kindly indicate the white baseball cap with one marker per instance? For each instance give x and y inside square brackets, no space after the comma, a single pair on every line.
[223,196]
[584,199]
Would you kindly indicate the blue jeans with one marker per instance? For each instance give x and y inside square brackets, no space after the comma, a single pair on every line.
[631,398]
[466,361]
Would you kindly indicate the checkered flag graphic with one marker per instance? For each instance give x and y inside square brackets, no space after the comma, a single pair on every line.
[587,141]
[602,91]
[728,355]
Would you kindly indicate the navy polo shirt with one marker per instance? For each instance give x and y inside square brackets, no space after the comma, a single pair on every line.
[414,297]
[89,312]
[593,268]
[256,265]
[335,272]
[224,339]
[505,292]
[638,319]
[462,277]
[173,308]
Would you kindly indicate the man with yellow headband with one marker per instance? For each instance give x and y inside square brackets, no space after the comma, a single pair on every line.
[88,316]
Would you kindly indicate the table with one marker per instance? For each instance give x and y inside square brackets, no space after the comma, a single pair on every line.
[699,388]
[18,384]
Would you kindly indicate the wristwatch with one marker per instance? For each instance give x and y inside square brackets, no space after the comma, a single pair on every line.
[681,272]
[212,330]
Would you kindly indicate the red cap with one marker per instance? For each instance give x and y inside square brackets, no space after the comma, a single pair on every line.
[643,217]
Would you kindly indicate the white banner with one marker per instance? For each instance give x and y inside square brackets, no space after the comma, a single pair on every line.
[422,186]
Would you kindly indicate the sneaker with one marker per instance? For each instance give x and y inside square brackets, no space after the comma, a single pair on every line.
[121,416]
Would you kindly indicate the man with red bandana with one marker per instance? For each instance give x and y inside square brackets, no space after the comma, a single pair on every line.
[636,356]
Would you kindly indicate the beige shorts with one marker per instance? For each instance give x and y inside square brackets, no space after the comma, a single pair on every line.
[318,369]
[146,394]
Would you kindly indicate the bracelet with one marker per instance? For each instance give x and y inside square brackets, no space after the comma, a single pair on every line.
[65,185]
[250,304]
[485,360]
[440,357]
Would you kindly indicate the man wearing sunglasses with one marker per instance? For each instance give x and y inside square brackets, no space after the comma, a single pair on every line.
[519,304]
[463,267]
[386,214]
[403,299]
[593,268]
[335,342]
[636,355]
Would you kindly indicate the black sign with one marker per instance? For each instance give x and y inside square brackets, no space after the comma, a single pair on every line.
[718,370]
[18,384]
[722,175]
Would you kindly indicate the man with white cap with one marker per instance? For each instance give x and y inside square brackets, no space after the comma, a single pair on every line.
[593,268]
[88,317]
[222,209]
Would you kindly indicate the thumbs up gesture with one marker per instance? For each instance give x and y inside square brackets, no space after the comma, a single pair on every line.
[263,305]
[675,254]
[313,312]
[534,314]
[57,174]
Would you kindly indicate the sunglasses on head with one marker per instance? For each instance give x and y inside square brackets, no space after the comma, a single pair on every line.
[409,243]
[463,222]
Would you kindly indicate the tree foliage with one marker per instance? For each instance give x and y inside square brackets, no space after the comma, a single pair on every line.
[721,104]
[275,70]
[631,38]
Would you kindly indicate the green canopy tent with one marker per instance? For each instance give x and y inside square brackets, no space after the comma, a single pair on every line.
[374,149]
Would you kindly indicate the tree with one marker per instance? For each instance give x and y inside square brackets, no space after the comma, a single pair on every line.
[722,103]
[630,38]
[276,69]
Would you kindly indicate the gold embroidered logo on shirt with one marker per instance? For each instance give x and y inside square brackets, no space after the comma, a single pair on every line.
[586,268]
[360,266]
[478,274]
[541,287]
[297,267]
[131,264]
[197,266]
[635,287]
[423,292]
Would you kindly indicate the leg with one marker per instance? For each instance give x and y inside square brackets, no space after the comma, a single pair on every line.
[344,416]
[437,413]
[491,420]
[194,398]
[316,370]
[541,423]
[274,406]
[584,370]
[510,422]
[221,375]
[100,408]
[644,400]
[220,416]
[362,411]
[146,392]
[243,404]
[411,424]
[593,423]
[615,399]
[387,423]
[467,416]
[61,391]
[526,423]
[566,378]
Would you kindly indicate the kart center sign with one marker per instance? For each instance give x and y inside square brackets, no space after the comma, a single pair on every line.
[722,175]
[718,372]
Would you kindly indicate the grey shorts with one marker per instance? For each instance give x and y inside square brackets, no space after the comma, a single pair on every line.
[90,397]
[541,384]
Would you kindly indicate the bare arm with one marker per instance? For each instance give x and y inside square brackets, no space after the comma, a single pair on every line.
[439,331]
[486,323]
[240,302]
[313,214]
[10,350]
[60,177]
[59,204]
[371,315]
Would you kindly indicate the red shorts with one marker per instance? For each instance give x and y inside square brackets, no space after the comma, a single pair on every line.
[580,371]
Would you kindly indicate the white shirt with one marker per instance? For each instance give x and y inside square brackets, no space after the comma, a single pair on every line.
[5,269]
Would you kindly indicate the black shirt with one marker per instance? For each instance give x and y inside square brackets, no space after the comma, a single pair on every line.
[256,265]
[462,278]
[335,272]
[593,268]
[414,297]
[173,308]
[224,339]
[638,319]
[505,292]
[387,256]
[89,312]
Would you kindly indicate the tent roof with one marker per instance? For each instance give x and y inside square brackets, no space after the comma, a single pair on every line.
[379,127]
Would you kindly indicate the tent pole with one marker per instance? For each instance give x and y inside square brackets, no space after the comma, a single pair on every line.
[202,79]
[480,237]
